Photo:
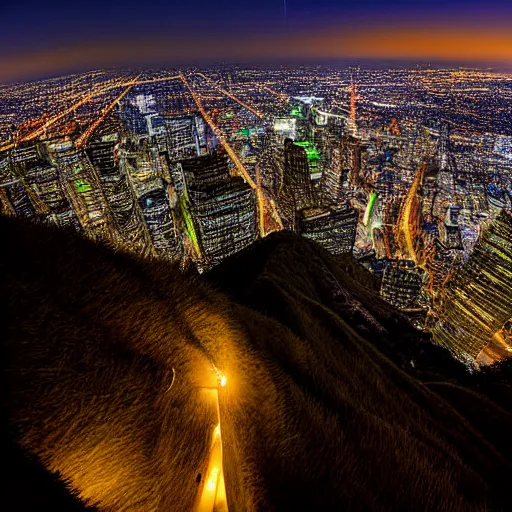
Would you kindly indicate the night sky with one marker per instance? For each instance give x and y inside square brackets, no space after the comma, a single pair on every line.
[47,37]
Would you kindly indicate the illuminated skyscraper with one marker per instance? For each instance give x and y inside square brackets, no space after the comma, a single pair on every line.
[286,127]
[451,230]
[333,176]
[143,164]
[271,163]
[343,166]
[446,175]
[13,194]
[221,208]
[352,122]
[296,191]
[225,219]
[477,300]
[333,227]
[82,189]
[118,192]
[345,155]
[202,172]
[35,188]
[161,223]
[44,181]
[401,284]
[183,137]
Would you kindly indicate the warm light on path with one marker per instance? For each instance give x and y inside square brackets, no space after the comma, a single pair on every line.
[212,490]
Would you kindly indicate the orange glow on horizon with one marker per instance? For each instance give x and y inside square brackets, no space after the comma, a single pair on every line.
[489,44]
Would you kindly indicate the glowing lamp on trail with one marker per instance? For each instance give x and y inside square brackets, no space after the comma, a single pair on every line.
[222,379]
[211,485]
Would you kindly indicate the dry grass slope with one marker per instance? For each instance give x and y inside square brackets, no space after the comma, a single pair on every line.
[322,411]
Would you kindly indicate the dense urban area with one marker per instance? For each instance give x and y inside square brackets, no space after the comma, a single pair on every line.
[409,170]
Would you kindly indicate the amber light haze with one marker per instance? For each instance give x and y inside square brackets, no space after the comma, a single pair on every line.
[436,43]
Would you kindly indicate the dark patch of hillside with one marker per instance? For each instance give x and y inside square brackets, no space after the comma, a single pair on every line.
[322,410]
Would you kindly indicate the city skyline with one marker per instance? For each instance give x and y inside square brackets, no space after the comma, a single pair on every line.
[405,169]
[256,256]
[57,38]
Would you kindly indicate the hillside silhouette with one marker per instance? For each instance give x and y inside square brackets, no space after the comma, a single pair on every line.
[334,401]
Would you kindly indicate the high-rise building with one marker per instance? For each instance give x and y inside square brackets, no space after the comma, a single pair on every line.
[222,208]
[132,117]
[121,198]
[143,164]
[271,163]
[183,137]
[477,300]
[45,183]
[447,171]
[202,172]
[296,191]
[82,189]
[225,219]
[352,151]
[161,223]
[402,283]
[335,176]
[13,194]
[286,127]
[451,231]
[23,164]
[33,187]
[333,227]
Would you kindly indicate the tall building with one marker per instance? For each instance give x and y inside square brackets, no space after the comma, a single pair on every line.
[271,163]
[33,187]
[335,176]
[132,117]
[352,121]
[451,231]
[143,164]
[82,188]
[118,192]
[402,283]
[183,137]
[440,263]
[352,151]
[13,194]
[221,208]
[28,164]
[333,227]
[343,164]
[447,171]
[296,191]
[161,223]
[225,218]
[45,183]
[202,172]
[477,301]
[429,191]
[286,127]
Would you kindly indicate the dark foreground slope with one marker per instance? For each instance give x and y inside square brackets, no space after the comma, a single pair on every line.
[322,411]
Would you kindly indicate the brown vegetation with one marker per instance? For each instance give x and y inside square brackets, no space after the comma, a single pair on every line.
[322,411]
